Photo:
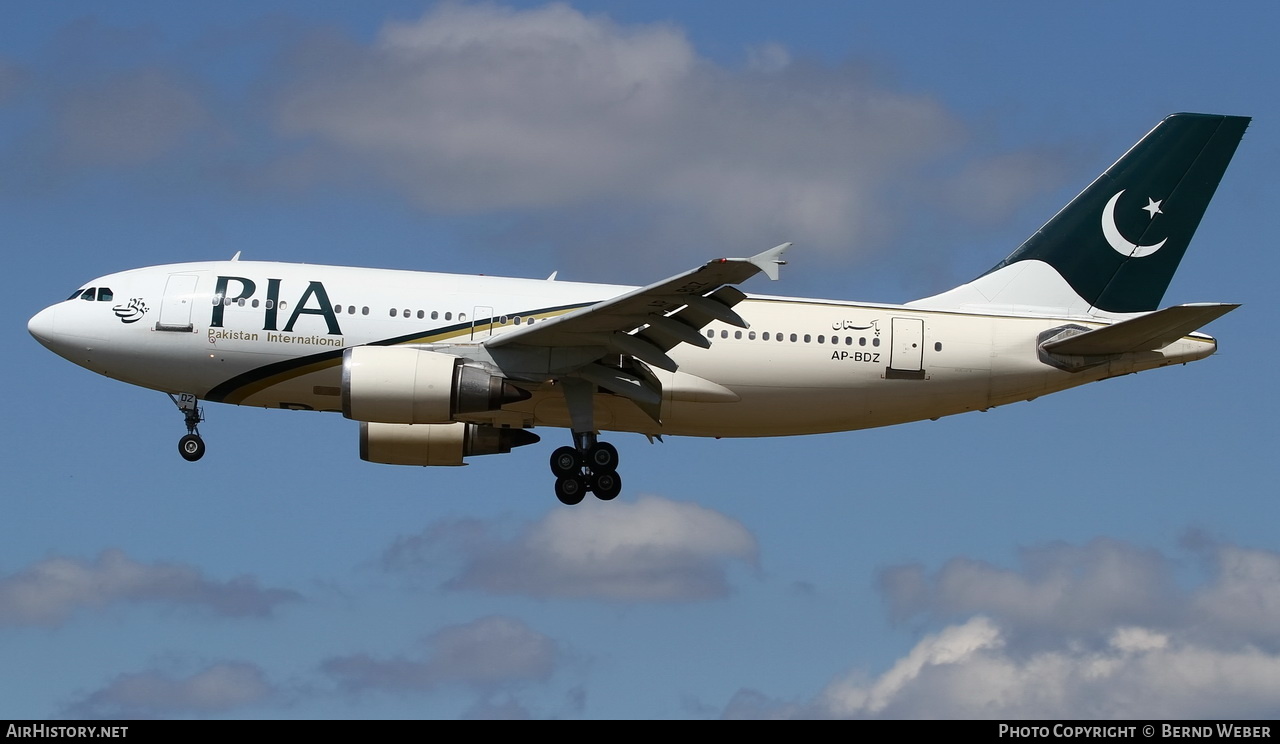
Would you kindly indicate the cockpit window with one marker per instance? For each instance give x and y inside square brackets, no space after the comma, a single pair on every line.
[104,294]
[75,294]
[88,294]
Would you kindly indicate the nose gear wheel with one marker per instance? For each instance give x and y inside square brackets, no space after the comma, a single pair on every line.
[191,446]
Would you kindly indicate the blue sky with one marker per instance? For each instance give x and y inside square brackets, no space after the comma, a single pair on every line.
[981,565]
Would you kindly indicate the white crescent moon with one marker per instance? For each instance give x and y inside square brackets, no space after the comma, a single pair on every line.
[1120,243]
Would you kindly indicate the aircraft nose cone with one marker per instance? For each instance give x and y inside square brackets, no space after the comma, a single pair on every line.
[42,325]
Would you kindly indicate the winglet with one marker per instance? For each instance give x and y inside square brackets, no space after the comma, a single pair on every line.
[770,260]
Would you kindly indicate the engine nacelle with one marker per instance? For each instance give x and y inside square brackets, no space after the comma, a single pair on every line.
[396,385]
[436,444]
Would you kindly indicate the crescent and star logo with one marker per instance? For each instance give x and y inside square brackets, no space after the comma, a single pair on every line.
[1120,243]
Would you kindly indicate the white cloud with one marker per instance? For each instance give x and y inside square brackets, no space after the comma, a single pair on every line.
[652,550]
[600,138]
[50,591]
[487,654]
[129,119]
[1100,630]
[217,688]
[1244,597]
[1091,588]
[968,671]
[1060,588]
[480,107]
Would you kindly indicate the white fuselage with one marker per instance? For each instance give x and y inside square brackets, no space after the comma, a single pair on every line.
[272,335]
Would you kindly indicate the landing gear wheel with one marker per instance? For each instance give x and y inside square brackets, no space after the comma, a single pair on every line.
[564,462]
[571,489]
[607,486]
[602,457]
[191,447]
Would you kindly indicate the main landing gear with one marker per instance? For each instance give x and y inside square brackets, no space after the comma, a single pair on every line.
[191,447]
[588,466]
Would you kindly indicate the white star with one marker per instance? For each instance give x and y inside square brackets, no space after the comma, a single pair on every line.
[1153,207]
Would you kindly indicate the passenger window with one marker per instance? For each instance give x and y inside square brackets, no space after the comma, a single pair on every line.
[336,308]
[793,338]
[270,304]
[724,334]
[462,316]
[88,294]
[806,338]
[393,312]
[406,312]
[751,336]
[104,294]
[737,334]
[821,339]
[448,316]
[363,311]
[421,315]
[435,315]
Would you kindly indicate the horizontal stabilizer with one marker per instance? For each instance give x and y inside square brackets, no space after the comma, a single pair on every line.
[1150,332]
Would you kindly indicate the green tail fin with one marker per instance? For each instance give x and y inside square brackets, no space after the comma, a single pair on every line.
[1119,242]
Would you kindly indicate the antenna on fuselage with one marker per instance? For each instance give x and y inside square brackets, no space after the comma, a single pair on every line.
[236,257]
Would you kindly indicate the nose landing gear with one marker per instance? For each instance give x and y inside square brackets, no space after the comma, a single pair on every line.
[191,446]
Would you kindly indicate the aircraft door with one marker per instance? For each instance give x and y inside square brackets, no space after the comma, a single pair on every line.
[906,354]
[175,308]
[481,322]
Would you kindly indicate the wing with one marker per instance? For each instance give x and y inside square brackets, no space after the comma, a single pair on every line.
[645,324]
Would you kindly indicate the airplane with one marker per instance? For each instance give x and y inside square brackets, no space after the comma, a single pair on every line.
[437,367]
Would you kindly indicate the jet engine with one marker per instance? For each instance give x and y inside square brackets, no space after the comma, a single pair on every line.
[397,385]
[436,444]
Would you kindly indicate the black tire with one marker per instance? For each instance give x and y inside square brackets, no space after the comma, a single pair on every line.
[191,447]
[602,458]
[565,461]
[607,486]
[571,489]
